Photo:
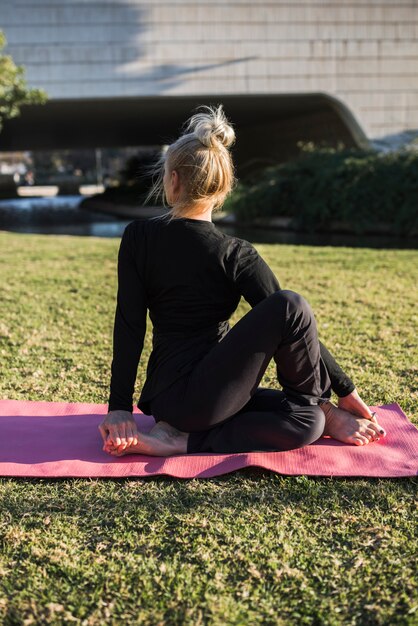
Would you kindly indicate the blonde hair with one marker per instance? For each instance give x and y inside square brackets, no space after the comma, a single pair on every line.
[202,159]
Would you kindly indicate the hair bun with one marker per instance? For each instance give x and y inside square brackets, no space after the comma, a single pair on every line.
[211,128]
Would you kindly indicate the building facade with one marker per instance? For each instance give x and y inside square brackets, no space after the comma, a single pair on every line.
[363,53]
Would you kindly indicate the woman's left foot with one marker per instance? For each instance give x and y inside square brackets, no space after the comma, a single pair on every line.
[162,440]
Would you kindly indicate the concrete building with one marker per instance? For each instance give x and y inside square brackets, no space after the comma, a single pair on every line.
[126,72]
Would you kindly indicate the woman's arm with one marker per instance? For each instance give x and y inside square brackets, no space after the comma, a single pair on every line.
[129,326]
[255,281]
[341,384]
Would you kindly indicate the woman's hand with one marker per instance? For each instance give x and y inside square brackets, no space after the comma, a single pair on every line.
[355,405]
[118,429]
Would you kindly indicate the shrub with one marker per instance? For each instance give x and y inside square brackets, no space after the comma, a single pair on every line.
[363,189]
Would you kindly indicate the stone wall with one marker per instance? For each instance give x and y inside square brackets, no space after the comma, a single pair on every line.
[364,52]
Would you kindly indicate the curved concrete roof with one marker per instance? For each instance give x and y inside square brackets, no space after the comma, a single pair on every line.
[365,53]
[268,127]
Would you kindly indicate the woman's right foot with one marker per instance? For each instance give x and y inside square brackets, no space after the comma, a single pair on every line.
[349,428]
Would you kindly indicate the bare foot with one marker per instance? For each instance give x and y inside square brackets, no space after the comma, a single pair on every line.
[162,440]
[349,428]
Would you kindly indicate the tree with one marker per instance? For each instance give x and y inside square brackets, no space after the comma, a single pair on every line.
[14,91]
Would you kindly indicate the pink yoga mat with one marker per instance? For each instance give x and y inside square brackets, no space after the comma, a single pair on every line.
[56,439]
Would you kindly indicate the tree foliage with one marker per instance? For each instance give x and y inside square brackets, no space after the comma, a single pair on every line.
[14,91]
[361,188]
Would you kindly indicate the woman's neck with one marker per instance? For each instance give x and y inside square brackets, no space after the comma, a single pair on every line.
[195,214]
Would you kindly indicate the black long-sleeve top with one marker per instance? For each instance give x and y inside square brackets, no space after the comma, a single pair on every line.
[190,277]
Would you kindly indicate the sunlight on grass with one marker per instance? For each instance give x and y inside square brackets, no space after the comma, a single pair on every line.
[246,548]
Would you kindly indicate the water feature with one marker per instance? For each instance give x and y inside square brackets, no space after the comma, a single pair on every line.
[61,215]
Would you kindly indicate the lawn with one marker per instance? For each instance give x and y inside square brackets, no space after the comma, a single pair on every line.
[243,549]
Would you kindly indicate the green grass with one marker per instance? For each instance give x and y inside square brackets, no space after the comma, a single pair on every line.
[246,548]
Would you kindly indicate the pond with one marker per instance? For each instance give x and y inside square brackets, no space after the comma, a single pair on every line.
[61,215]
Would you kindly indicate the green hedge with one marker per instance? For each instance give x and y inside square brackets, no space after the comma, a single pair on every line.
[363,189]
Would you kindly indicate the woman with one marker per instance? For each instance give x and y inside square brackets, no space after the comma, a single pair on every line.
[202,375]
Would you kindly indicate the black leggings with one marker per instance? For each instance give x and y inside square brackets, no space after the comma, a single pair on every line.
[220,404]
